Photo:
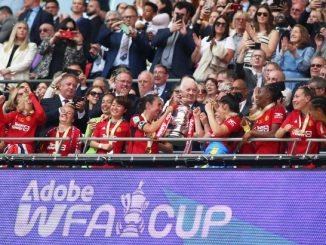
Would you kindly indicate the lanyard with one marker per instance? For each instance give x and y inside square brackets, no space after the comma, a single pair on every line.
[149,143]
[59,143]
[259,113]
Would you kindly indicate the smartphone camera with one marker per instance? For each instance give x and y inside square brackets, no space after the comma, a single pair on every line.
[72,71]
[257,46]
[125,29]
[236,7]
[77,99]
[67,34]
[178,17]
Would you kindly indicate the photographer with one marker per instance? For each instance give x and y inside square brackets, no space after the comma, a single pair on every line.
[65,47]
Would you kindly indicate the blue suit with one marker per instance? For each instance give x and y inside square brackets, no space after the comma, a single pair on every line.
[139,51]
[181,61]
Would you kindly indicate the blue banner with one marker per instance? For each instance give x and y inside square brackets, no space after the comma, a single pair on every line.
[162,207]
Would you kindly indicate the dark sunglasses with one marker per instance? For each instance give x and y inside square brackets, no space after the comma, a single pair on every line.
[223,24]
[93,93]
[202,91]
[316,65]
[68,28]
[262,14]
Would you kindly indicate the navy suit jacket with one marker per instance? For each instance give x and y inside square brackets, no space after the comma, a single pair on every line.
[166,94]
[181,61]
[139,51]
[41,18]
[51,107]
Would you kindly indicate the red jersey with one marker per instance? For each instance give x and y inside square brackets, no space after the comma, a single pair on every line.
[123,130]
[139,147]
[275,115]
[233,125]
[21,125]
[321,129]
[68,146]
[297,120]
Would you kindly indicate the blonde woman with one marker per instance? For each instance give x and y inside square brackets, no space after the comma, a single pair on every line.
[17,54]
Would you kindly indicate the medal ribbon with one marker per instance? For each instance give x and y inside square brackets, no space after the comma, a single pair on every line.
[58,143]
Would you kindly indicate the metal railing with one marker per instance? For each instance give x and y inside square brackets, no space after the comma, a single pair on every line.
[187,160]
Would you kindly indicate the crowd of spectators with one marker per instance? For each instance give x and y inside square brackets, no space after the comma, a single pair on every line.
[247,69]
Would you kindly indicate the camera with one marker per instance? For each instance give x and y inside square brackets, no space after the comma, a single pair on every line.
[125,29]
[67,34]
[77,99]
[72,71]
[257,46]
[236,6]
[178,17]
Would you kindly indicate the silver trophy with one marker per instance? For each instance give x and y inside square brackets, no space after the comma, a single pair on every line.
[134,205]
[178,126]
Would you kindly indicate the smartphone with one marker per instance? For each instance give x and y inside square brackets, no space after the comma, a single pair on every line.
[77,99]
[178,17]
[236,6]
[67,34]
[257,46]
[72,71]
[125,29]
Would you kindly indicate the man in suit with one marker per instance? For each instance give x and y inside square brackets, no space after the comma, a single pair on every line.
[52,7]
[161,87]
[175,44]
[252,75]
[240,86]
[52,106]
[127,47]
[35,16]
[145,83]
[7,22]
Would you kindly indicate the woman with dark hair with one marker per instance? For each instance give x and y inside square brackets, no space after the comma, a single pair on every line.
[92,96]
[213,53]
[211,86]
[261,33]
[295,54]
[224,121]
[300,124]
[146,124]
[115,126]
[64,48]
[318,113]
[266,120]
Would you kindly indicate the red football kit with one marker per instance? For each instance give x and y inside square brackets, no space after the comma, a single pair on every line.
[67,146]
[303,127]
[23,126]
[274,115]
[123,130]
[139,147]
[233,125]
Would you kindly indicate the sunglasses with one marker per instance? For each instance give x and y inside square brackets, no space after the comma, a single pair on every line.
[316,65]
[68,28]
[223,24]
[93,93]
[43,30]
[202,91]
[262,14]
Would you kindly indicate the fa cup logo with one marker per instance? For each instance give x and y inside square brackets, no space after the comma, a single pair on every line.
[134,205]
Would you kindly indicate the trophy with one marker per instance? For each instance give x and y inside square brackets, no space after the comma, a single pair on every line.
[134,205]
[179,124]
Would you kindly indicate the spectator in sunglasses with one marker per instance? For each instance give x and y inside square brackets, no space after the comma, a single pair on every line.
[65,47]
[317,63]
[92,97]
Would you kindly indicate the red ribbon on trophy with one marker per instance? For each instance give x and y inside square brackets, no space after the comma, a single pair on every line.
[190,134]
